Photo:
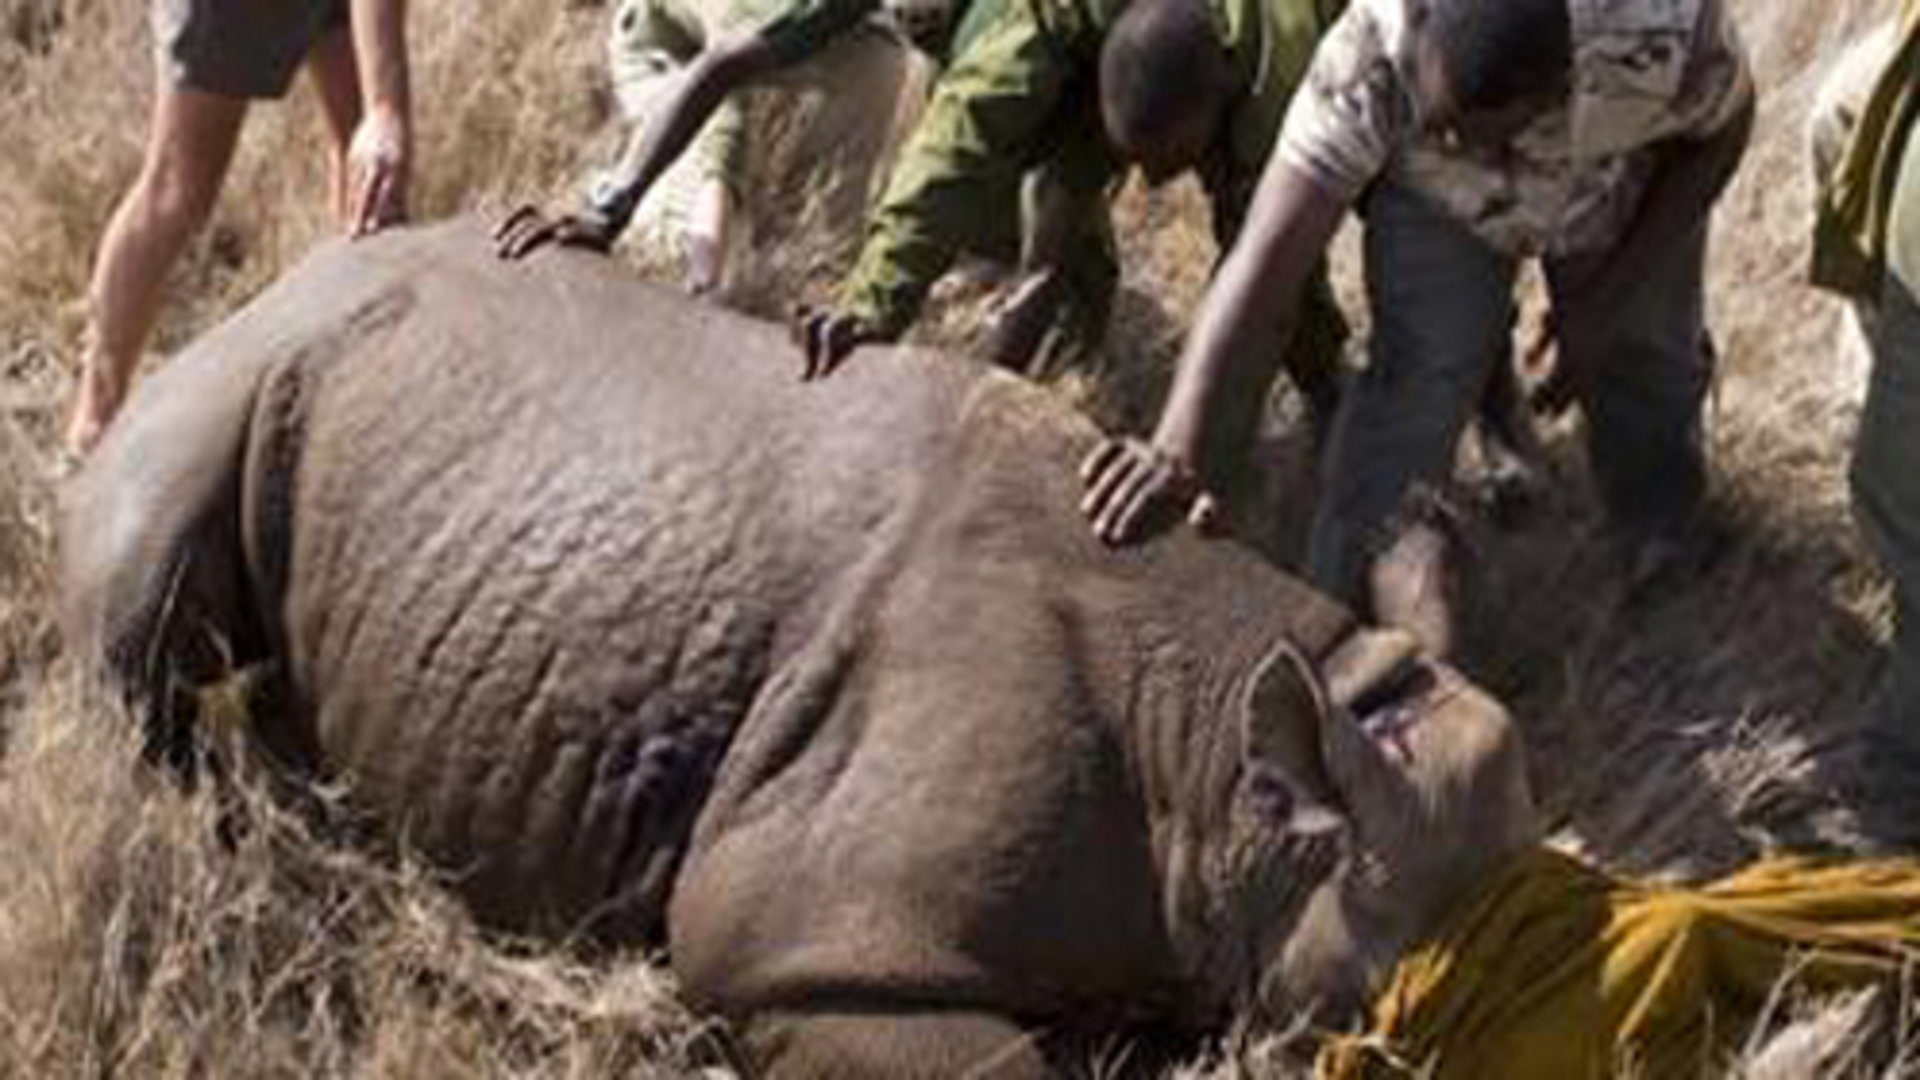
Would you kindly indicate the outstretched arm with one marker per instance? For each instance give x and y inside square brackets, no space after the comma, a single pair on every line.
[799,31]
[734,63]
[380,157]
[702,88]
[1238,341]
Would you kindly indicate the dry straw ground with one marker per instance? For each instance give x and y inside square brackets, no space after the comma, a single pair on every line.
[1677,737]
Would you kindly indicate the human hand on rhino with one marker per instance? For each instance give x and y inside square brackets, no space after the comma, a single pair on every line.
[827,337]
[1134,488]
[379,172]
[528,229]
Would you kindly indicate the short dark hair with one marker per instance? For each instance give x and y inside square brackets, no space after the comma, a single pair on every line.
[1497,52]
[1160,60]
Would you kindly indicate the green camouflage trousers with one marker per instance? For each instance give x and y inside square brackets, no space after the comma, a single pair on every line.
[1886,483]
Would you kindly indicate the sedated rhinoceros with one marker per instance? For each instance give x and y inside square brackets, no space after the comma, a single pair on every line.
[824,688]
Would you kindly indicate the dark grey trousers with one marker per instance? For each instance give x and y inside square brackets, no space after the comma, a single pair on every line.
[1443,310]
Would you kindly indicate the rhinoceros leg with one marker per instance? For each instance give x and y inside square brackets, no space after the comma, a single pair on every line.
[153,585]
[895,1047]
[176,536]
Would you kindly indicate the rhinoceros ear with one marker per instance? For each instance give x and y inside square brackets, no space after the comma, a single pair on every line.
[1368,676]
[1283,771]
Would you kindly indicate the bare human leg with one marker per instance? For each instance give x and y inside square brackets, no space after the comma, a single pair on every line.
[336,79]
[189,147]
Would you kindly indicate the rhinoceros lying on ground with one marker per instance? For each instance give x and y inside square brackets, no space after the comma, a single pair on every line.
[826,688]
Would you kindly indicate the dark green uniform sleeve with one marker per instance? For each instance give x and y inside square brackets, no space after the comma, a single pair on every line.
[986,123]
[797,30]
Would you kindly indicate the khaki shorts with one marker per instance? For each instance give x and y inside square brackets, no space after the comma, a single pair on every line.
[240,48]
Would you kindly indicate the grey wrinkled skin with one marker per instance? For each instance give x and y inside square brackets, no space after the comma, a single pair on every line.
[826,688]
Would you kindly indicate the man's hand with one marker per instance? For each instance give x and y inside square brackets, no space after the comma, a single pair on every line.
[1133,488]
[379,170]
[527,229]
[828,337]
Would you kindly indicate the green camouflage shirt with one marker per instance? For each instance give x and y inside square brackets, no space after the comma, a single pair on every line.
[1018,93]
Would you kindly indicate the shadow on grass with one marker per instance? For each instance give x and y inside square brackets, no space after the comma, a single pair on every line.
[1685,730]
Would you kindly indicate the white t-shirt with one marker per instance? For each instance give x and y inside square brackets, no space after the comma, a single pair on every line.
[1643,71]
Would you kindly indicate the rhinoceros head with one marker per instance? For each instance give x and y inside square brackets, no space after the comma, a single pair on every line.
[1372,795]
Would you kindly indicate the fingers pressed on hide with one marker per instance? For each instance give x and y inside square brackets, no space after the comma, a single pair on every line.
[511,237]
[379,204]
[836,348]
[797,318]
[1099,459]
[368,189]
[1101,488]
[1134,514]
[535,238]
[1127,486]
[1123,510]
[810,346]
[510,224]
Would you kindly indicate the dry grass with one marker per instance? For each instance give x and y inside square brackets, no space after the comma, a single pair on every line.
[1678,737]
[152,933]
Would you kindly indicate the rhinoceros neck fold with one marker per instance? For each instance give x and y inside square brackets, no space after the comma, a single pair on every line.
[1188,637]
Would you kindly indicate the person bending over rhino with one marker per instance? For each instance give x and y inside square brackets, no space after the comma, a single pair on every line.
[1594,136]
[1167,85]
[1082,91]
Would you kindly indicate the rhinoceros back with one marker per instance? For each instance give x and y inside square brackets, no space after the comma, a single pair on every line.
[549,533]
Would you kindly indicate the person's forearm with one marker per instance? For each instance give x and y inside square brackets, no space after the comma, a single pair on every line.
[1246,322]
[380,52]
[672,125]
[1233,353]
